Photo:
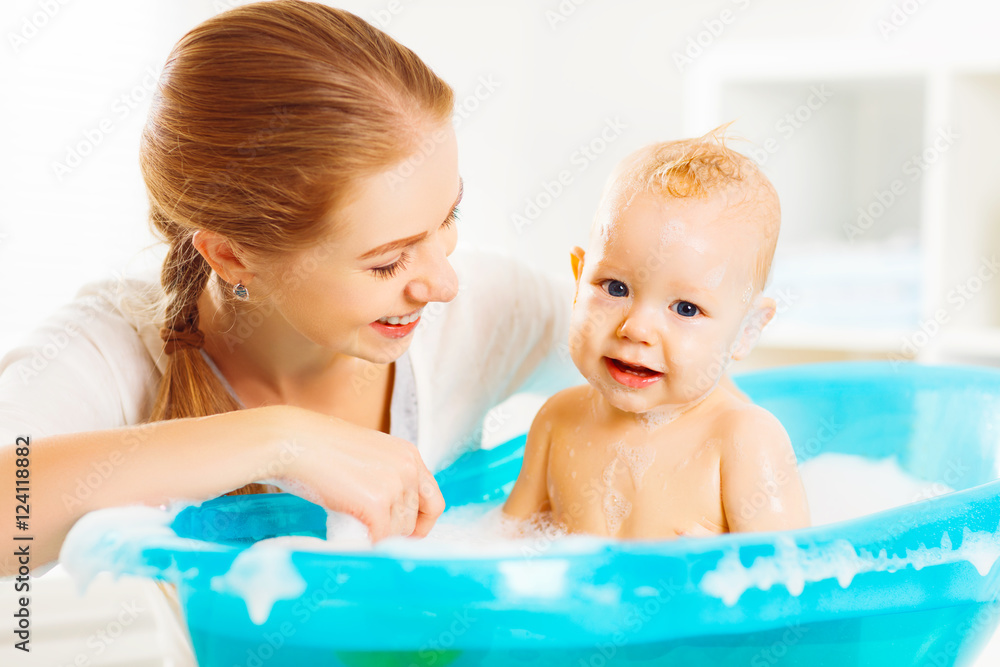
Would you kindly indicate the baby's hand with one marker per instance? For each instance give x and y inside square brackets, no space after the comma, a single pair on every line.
[761,487]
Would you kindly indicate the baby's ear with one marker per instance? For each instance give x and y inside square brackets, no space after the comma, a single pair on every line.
[762,312]
[576,260]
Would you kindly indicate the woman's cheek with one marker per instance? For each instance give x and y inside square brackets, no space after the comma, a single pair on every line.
[450,240]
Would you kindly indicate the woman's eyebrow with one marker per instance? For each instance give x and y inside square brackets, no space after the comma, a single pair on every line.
[409,240]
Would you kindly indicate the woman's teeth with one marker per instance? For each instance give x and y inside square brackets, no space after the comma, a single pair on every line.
[405,319]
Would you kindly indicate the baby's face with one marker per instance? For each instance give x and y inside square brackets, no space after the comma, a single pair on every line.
[663,297]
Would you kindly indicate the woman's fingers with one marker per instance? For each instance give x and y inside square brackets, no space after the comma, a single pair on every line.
[431,504]
[403,513]
[379,479]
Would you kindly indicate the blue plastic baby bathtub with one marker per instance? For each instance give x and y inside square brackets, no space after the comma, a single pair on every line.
[915,585]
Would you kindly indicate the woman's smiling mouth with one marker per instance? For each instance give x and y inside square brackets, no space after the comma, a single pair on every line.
[401,319]
[397,326]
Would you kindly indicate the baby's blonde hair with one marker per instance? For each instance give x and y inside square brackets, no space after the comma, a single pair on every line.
[700,168]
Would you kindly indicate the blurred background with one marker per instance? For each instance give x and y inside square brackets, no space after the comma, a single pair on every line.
[875,119]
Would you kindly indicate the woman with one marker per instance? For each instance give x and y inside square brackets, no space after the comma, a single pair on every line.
[312,325]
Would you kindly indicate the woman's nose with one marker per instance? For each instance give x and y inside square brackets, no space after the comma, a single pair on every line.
[437,282]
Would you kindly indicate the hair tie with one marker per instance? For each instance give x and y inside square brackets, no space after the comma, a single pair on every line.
[175,339]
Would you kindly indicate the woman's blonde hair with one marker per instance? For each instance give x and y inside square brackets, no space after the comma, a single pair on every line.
[264,117]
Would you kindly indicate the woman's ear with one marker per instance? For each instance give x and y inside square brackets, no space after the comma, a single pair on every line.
[219,254]
[762,313]
[576,260]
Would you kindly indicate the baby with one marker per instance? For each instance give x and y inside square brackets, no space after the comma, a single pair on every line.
[661,443]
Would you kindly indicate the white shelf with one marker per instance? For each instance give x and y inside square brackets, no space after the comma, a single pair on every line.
[979,342]
[851,339]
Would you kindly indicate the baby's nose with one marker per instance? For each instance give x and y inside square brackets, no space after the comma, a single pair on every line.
[638,327]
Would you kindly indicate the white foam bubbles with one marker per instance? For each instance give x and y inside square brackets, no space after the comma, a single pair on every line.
[614,503]
[637,458]
[262,574]
[793,566]
[843,486]
[114,538]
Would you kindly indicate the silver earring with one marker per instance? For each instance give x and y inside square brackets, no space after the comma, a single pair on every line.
[241,292]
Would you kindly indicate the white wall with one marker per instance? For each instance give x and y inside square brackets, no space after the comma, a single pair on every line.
[561,79]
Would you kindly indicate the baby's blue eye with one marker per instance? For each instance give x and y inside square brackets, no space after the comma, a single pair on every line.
[616,288]
[686,309]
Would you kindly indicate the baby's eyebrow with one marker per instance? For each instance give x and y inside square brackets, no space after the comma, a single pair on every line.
[608,267]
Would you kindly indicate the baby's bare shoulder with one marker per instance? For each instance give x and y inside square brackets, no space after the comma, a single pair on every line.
[748,429]
[566,402]
[559,410]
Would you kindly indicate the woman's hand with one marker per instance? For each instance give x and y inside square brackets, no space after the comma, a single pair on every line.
[376,478]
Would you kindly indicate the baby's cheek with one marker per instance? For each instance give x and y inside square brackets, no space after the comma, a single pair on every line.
[588,324]
[702,365]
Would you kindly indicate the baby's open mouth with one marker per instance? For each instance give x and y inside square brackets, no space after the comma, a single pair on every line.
[639,371]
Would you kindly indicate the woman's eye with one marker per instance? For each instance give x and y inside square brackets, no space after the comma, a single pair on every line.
[686,309]
[451,219]
[615,288]
[389,270]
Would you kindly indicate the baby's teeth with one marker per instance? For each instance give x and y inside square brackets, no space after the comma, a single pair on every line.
[393,320]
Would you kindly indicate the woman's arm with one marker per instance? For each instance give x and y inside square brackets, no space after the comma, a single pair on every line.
[377,478]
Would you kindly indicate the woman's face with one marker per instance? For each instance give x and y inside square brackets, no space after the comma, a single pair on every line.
[360,292]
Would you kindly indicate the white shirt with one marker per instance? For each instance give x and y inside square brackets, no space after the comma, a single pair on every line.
[96,362]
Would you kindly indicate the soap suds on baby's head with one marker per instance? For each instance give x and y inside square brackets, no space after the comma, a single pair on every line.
[714,277]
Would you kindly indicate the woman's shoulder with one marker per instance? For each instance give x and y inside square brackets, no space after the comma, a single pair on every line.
[90,364]
[123,307]
[114,305]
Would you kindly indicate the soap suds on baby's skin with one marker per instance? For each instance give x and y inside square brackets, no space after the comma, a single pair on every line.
[655,419]
[638,459]
[714,277]
[615,505]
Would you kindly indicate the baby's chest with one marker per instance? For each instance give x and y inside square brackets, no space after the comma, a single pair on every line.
[633,488]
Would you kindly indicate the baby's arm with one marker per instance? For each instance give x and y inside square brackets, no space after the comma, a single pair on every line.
[530,494]
[761,487]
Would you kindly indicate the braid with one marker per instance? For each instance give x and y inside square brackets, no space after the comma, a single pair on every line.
[189,388]
[185,274]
